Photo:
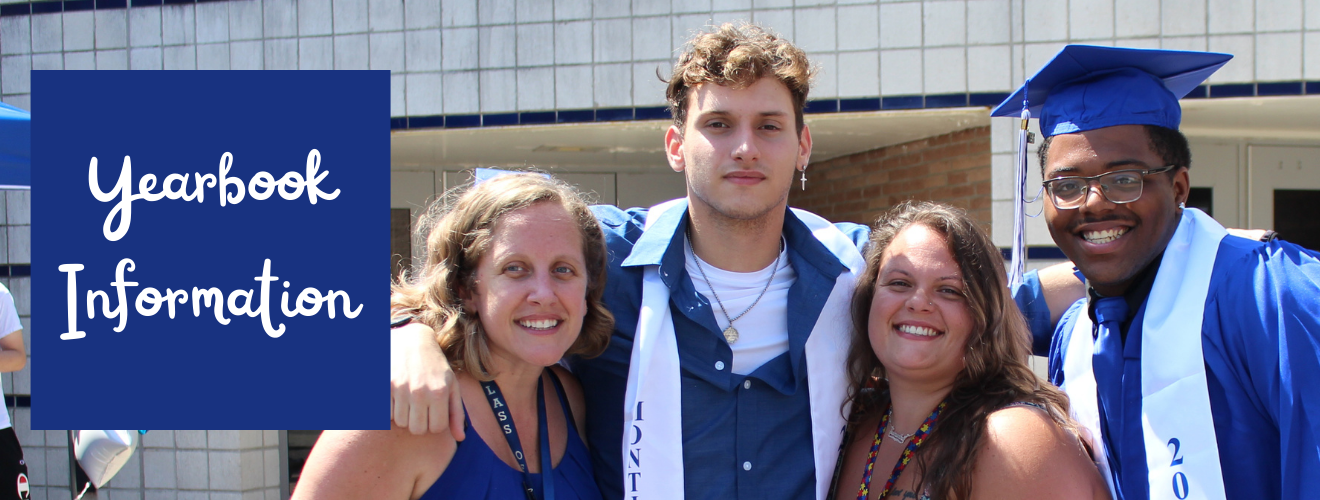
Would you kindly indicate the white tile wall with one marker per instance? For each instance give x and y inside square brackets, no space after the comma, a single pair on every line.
[245,55]
[778,21]
[496,46]
[859,74]
[110,32]
[1090,19]
[643,7]
[422,52]
[1183,17]
[534,11]
[735,17]
[224,471]
[770,4]
[817,28]
[613,85]
[499,91]
[945,70]
[112,59]
[192,469]
[686,26]
[175,57]
[81,60]
[424,94]
[79,30]
[315,18]
[610,8]
[398,99]
[536,44]
[280,18]
[244,20]
[281,53]
[316,53]
[1278,15]
[1184,43]
[1046,20]
[1138,43]
[212,22]
[460,92]
[387,51]
[211,56]
[352,52]
[611,39]
[900,26]
[496,11]
[1035,56]
[385,15]
[144,26]
[573,42]
[572,9]
[1312,8]
[989,69]
[15,35]
[652,38]
[350,16]
[1230,16]
[826,85]
[458,13]
[419,14]
[1242,67]
[1311,65]
[1278,57]
[988,21]
[1136,18]
[945,23]
[47,33]
[859,28]
[146,58]
[683,6]
[573,85]
[535,92]
[176,24]
[648,90]
[15,74]
[900,72]
[458,48]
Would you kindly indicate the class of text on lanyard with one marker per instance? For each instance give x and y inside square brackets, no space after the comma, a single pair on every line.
[505,421]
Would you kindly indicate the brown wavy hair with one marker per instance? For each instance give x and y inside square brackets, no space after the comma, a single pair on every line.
[737,56]
[460,228]
[996,372]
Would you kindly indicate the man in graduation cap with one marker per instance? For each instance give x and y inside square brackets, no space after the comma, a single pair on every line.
[1194,362]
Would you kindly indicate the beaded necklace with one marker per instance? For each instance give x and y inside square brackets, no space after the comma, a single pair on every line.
[917,438]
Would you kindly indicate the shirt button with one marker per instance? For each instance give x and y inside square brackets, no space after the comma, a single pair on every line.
[747,466]
[719,365]
[747,384]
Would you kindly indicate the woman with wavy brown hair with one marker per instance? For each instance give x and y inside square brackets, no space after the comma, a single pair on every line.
[940,387]
[514,275]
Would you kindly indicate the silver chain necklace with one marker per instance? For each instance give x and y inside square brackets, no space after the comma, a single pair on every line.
[731,333]
[898,438]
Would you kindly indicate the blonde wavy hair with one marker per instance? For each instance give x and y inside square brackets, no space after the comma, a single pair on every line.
[737,57]
[461,225]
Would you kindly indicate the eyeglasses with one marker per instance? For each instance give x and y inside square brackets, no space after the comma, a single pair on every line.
[1120,186]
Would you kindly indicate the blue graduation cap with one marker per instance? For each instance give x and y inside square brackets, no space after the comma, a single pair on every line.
[1086,87]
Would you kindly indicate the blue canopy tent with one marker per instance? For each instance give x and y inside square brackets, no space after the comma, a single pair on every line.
[15,148]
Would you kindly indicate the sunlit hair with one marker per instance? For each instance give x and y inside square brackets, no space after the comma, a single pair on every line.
[461,226]
[995,373]
[737,57]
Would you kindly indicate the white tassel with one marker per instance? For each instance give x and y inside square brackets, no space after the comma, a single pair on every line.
[1018,265]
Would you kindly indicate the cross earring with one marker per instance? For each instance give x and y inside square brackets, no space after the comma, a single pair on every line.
[804,177]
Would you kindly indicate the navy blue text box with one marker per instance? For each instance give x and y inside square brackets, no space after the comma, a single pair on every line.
[191,371]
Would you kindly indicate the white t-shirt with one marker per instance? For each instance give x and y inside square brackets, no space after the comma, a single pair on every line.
[763,331]
[8,324]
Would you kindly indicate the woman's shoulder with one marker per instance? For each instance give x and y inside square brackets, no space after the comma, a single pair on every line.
[1025,453]
[346,462]
[573,393]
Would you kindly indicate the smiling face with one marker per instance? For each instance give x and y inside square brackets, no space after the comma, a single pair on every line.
[1111,243]
[531,286]
[739,148]
[919,321]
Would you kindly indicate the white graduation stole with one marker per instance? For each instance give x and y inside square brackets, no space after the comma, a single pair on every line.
[1182,456]
[653,437]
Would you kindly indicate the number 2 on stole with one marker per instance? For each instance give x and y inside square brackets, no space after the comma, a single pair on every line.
[1180,489]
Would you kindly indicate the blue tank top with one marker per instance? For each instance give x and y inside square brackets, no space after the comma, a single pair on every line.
[476,472]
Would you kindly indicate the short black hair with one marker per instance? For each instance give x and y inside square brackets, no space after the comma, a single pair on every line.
[1169,144]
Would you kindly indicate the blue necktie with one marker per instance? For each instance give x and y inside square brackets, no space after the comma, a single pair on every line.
[1110,312]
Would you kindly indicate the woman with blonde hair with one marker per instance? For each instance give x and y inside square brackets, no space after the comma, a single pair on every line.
[514,275]
[940,387]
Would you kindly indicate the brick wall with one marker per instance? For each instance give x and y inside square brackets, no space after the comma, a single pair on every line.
[953,168]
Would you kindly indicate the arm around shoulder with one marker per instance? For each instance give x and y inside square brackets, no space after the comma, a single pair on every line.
[1026,455]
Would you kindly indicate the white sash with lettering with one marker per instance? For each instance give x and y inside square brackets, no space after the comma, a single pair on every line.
[1182,456]
[653,440]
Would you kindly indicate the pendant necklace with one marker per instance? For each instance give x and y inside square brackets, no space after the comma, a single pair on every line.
[864,491]
[731,333]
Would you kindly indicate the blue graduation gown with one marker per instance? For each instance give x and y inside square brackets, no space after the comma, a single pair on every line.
[1261,342]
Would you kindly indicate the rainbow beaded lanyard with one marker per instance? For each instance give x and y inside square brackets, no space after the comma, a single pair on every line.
[920,437]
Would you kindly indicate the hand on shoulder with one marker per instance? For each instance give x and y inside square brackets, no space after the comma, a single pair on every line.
[1026,455]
